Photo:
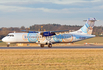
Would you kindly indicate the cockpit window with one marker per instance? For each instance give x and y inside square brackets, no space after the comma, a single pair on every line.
[10,35]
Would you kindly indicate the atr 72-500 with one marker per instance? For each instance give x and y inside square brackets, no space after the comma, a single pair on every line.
[51,37]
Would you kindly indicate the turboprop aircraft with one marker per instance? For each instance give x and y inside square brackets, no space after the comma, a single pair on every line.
[51,37]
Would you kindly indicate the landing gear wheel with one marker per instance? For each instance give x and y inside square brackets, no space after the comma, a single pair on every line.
[7,45]
[50,45]
[42,45]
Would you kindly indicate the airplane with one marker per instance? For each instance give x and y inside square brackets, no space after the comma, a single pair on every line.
[51,37]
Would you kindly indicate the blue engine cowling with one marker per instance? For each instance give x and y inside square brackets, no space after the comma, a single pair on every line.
[48,34]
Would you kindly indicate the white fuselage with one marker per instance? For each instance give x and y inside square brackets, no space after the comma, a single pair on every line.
[37,38]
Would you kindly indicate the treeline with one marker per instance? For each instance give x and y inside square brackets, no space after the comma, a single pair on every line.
[48,27]
[97,30]
[4,31]
[54,27]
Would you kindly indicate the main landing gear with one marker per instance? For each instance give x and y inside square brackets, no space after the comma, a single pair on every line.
[49,45]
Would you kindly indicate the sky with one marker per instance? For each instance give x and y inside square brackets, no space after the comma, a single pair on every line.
[17,13]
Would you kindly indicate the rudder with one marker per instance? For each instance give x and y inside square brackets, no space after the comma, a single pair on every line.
[88,27]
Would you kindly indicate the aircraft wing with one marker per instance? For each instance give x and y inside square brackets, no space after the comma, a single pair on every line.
[30,31]
[60,31]
[46,33]
[51,33]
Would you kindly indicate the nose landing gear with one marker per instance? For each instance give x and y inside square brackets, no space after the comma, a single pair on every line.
[8,44]
[42,45]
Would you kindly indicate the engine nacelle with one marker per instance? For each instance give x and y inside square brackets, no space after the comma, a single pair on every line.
[48,34]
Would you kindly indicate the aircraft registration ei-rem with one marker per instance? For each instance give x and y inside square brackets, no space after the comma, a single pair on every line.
[50,37]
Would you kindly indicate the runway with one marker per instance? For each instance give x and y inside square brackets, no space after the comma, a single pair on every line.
[56,47]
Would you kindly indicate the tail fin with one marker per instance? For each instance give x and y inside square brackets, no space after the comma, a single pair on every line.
[88,27]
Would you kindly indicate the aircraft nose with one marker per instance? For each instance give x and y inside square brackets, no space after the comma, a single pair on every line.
[3,39]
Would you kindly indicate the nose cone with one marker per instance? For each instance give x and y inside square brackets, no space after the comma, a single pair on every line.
[3,39]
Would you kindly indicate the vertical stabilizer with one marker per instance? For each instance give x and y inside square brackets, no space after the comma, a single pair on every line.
[87,28]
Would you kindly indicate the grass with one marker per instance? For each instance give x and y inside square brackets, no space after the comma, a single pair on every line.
[72,59]
[91,40]
[4,44]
